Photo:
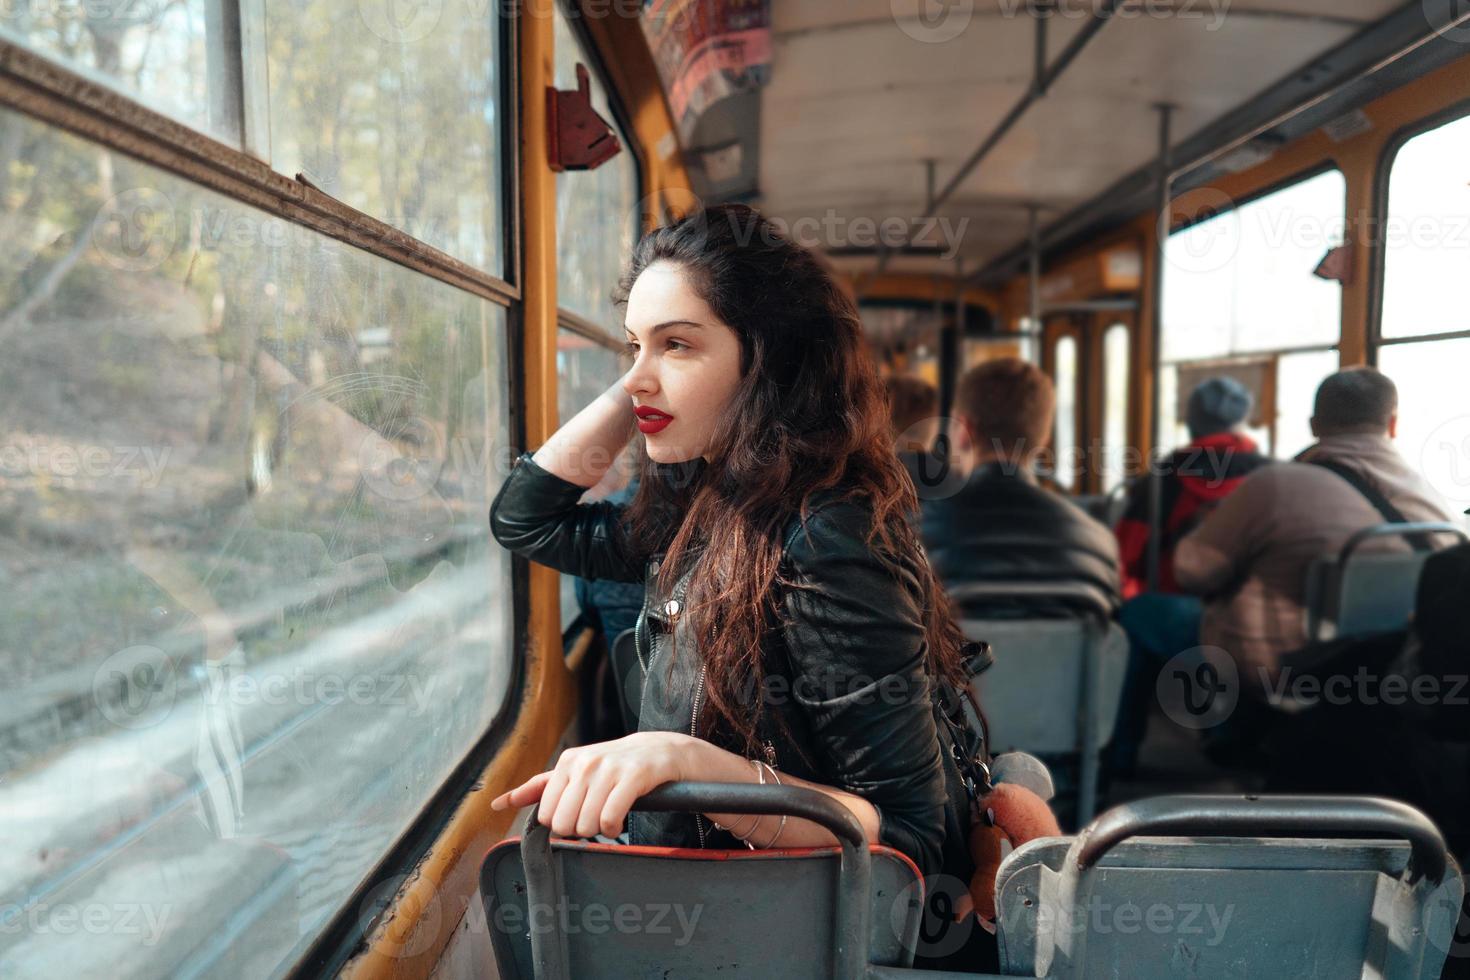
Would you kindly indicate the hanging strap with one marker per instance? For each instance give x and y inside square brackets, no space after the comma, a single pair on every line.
[1391,514]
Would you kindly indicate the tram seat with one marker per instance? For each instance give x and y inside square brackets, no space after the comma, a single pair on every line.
[790,912]
[1358,594]
[623,658]
[1229,886]
[1056,684]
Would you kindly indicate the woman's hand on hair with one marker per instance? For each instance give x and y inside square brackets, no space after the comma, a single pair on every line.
[592,787]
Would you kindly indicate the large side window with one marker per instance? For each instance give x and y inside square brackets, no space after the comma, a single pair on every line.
[1425,322]
[1240,298]
[253,617]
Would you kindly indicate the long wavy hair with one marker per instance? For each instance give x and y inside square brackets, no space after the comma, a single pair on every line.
[811,416]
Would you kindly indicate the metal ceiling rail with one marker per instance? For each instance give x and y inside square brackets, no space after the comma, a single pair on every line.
[1042,80]
[1297,103]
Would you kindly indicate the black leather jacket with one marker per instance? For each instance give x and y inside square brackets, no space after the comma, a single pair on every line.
[853,691]
[1001,527]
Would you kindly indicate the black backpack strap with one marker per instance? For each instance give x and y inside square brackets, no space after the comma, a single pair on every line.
[1391,514]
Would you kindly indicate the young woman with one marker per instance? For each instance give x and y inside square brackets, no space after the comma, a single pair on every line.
[791,628]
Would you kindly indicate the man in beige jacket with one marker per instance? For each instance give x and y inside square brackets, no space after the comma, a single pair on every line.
[1250,557]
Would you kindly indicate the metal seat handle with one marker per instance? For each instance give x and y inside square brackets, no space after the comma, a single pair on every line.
[853,914]
[1397,531]
[1267,816]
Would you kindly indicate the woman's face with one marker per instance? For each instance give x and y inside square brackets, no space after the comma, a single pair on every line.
[686,364]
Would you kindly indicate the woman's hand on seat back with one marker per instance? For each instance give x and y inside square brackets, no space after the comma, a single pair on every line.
[592,787]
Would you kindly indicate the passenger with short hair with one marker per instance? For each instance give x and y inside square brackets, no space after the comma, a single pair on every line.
[913,418]
[1192,481]
[1250,557]
[1000,525]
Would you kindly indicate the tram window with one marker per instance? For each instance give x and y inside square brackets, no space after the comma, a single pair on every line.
[1298,376]
[1115,405]
[1426,234]
[584,370]
[597,211]
[1066,422]
[400,118]
[1242,282]
[159,53]
[253,615]
[1434,429]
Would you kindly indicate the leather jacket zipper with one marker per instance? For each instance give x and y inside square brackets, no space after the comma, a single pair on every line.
[693,727]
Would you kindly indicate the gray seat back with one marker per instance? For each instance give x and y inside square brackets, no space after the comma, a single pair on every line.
[1116,902]
[1358,593]
[1034,693]
[1054,688]
[589,910]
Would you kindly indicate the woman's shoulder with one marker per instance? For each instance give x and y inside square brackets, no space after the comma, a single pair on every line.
[835,524]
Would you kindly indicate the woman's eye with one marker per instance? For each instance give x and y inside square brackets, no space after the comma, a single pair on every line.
[678,345]
[631,349]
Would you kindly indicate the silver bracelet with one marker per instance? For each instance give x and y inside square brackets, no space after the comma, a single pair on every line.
[755,818]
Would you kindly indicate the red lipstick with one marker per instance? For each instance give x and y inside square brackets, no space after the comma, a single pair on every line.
[651,420]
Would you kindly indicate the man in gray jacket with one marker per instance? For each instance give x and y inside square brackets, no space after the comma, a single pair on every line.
[1250,557]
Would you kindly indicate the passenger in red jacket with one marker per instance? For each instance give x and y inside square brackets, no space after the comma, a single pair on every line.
[1194,479]
[1165,622]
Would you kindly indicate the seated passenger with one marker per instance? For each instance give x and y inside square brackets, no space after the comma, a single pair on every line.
[1250,557]
[772,529]
[1192,481]
[609,607]
[913,418]
[1001,526]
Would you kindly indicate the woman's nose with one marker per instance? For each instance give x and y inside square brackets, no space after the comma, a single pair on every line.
[640,379]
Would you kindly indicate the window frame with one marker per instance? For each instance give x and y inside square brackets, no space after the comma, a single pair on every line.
[623,125]
[58,96]
[1378,250]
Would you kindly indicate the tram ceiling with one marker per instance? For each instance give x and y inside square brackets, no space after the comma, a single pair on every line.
[858,101]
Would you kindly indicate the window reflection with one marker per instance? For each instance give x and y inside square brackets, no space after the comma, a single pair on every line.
[394,108]
[166,53]
[253,617]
